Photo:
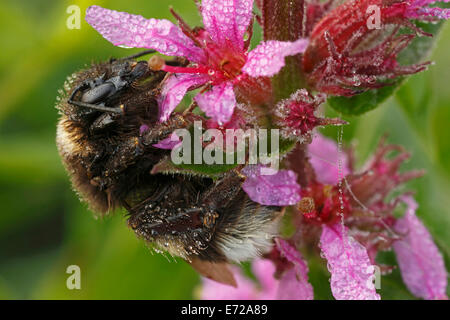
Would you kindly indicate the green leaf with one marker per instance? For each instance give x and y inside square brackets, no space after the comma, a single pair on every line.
[363,102]
[440,135]
[416,52]
[214,170]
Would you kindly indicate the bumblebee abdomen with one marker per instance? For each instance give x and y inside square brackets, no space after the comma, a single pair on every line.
[75,151]
[249,232]
[237,232]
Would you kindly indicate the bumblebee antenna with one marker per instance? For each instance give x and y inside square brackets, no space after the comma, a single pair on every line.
[138,55]
[95,107]
[90,105]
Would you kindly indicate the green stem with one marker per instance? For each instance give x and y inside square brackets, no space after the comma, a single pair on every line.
[283,21]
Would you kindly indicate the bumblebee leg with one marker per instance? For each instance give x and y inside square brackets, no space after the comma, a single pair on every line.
[224,191]
[95,107]
[183,232]
[161,130]
[103,122]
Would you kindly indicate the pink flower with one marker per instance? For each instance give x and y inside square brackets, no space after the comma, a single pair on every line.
[421,263]
[292,285]
[245,289]
[322,204]
[169,143]
[270,187]
[242,119]
[324,157]
[370,220]
[352,273]
[218,54]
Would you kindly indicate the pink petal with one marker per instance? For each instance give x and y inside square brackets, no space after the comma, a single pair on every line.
[129,30]
[143,129]
[429,12]
[421,3]
[324,157]
[218,103]
[278,189]
[290,288]
[294,284]
[264,270]
[173,92]
[417,9]
[212,290]
[169,143]
[268,289]
[349,265]
[227,20]
[268,57]
[421,263]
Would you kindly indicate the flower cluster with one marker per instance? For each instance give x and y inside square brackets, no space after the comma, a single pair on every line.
[349,53]
[338,212]
[350,248]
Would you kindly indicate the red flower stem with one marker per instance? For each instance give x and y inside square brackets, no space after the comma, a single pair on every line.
[198,70]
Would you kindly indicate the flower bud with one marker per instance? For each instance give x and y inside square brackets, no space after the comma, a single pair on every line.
[296,115]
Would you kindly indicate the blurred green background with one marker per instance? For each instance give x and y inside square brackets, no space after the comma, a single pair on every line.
[43,226]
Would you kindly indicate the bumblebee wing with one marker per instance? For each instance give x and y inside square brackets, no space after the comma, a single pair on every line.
[219,272]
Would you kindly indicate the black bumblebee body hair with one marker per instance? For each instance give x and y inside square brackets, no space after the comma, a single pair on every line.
[109,159]
[89,139]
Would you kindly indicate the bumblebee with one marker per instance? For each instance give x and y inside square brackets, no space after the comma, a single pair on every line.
[110,160]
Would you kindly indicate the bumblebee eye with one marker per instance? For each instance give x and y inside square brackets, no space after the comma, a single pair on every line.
[98,93]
